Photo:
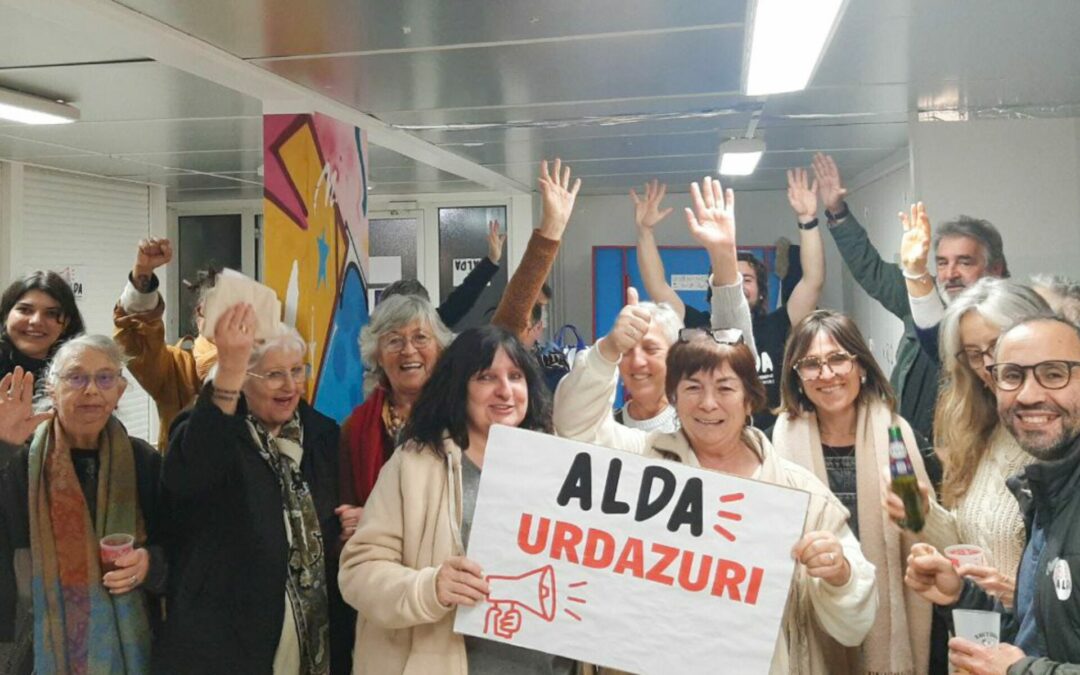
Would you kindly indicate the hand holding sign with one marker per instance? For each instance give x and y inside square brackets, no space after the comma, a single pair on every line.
[823,556]
[460,581]
[630,327]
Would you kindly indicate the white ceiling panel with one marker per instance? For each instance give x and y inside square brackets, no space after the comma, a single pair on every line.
[28,41]
[289,28]
[623,89]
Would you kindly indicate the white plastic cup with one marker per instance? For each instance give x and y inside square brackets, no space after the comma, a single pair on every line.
[965,554]
[982,628]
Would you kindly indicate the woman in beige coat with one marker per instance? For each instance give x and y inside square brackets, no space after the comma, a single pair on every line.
[712,381]
[404,569]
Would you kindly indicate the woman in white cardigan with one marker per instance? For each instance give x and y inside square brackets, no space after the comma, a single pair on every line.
[977,452]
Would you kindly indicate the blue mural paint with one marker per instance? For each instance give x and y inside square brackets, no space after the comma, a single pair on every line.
[341,383]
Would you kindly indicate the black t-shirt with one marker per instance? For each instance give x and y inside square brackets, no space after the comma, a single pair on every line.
[840,468]
[770,334]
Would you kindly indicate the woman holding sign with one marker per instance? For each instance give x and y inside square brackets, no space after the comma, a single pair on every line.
[404,568]
[712,382]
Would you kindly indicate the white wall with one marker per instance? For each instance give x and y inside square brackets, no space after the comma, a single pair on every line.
[761,217]
[1021,175]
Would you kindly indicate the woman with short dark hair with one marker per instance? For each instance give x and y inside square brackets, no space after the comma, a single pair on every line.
[404,569]
[38,314]
[712,382]
[836,411]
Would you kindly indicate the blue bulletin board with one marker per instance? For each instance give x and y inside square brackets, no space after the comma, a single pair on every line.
[615,269]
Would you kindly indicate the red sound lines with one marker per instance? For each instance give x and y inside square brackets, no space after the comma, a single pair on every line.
[733,497]
[579,600]
[575,617]
[578,584]
[723,532]
[729,515]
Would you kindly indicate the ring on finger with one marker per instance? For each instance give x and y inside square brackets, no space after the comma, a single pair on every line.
[131,581]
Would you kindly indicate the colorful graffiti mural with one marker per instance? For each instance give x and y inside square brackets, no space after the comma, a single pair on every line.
[316,246]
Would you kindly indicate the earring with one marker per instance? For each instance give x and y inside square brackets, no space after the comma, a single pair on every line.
[862,379]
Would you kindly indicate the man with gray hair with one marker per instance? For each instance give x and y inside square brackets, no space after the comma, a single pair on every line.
[965,250]
[1038,400]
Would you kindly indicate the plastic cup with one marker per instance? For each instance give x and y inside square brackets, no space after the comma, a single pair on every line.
[965,554]
[983,628]
[112,547]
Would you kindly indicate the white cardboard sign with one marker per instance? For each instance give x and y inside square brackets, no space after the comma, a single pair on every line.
[462,267]
[643,565]
[690,282]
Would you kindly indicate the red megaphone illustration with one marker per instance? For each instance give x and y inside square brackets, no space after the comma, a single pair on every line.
[533,591]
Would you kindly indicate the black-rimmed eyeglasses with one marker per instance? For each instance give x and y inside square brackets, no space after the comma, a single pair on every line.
[1049,374]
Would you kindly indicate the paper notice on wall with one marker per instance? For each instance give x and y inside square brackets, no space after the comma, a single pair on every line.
[462,267]
[689,282]
[611,558]
[73,275]
[384,269]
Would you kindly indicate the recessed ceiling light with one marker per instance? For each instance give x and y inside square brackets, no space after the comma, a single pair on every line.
[786,41]
[28,109]
[740,156]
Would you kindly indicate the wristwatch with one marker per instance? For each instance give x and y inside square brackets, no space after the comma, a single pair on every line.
[835,218]
[808,226]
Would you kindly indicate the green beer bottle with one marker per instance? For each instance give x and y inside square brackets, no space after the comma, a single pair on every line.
[904,482]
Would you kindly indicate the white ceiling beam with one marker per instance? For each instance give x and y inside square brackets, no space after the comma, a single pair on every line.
[143,35]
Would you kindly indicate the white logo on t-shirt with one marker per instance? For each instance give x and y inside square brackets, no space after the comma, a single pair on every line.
[1062,580]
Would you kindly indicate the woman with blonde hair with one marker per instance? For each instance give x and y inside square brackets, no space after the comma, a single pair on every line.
[978,453]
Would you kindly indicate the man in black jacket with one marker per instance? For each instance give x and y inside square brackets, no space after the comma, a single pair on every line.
[1038,396]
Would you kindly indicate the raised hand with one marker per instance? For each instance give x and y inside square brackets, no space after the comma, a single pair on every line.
[152,254]
[647,211]
[802,195]
[234,336]
[712,220]
[495,242]
[823,556]
[915,246]
[830,186]
[629,329]
[558,198]
[932,575]
[17,419]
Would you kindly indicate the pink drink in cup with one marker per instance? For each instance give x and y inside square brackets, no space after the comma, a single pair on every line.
[965,554]
[114,547]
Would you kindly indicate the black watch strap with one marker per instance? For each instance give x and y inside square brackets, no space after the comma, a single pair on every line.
[807,226]
[837,217]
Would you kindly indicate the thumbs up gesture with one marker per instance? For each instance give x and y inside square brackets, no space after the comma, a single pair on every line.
[630,327]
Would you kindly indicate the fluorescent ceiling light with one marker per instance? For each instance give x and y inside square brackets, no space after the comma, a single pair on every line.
[27,109]
[786,41]
[740,157]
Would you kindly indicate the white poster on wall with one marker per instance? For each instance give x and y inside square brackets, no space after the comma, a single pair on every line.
[74,276]
[462,267]
[643,565]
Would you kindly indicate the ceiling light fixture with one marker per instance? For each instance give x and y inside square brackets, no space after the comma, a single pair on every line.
[740,156]
[28,109]
[786,41]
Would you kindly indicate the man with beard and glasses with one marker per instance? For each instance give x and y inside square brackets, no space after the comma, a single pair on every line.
[965,250]
[1038,400]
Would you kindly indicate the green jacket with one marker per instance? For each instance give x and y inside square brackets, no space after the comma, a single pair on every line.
[915,376]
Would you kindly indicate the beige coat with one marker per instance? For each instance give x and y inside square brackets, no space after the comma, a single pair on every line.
[409,527]
[822,625]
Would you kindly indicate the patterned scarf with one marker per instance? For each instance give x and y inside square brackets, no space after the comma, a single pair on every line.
[78,626]
[306,582]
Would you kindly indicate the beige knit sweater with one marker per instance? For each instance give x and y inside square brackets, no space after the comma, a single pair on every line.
[988,514]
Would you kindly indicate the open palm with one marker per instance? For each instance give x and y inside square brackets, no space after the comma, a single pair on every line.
[915,246]
[17,419]
[712,220]
[801,194]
